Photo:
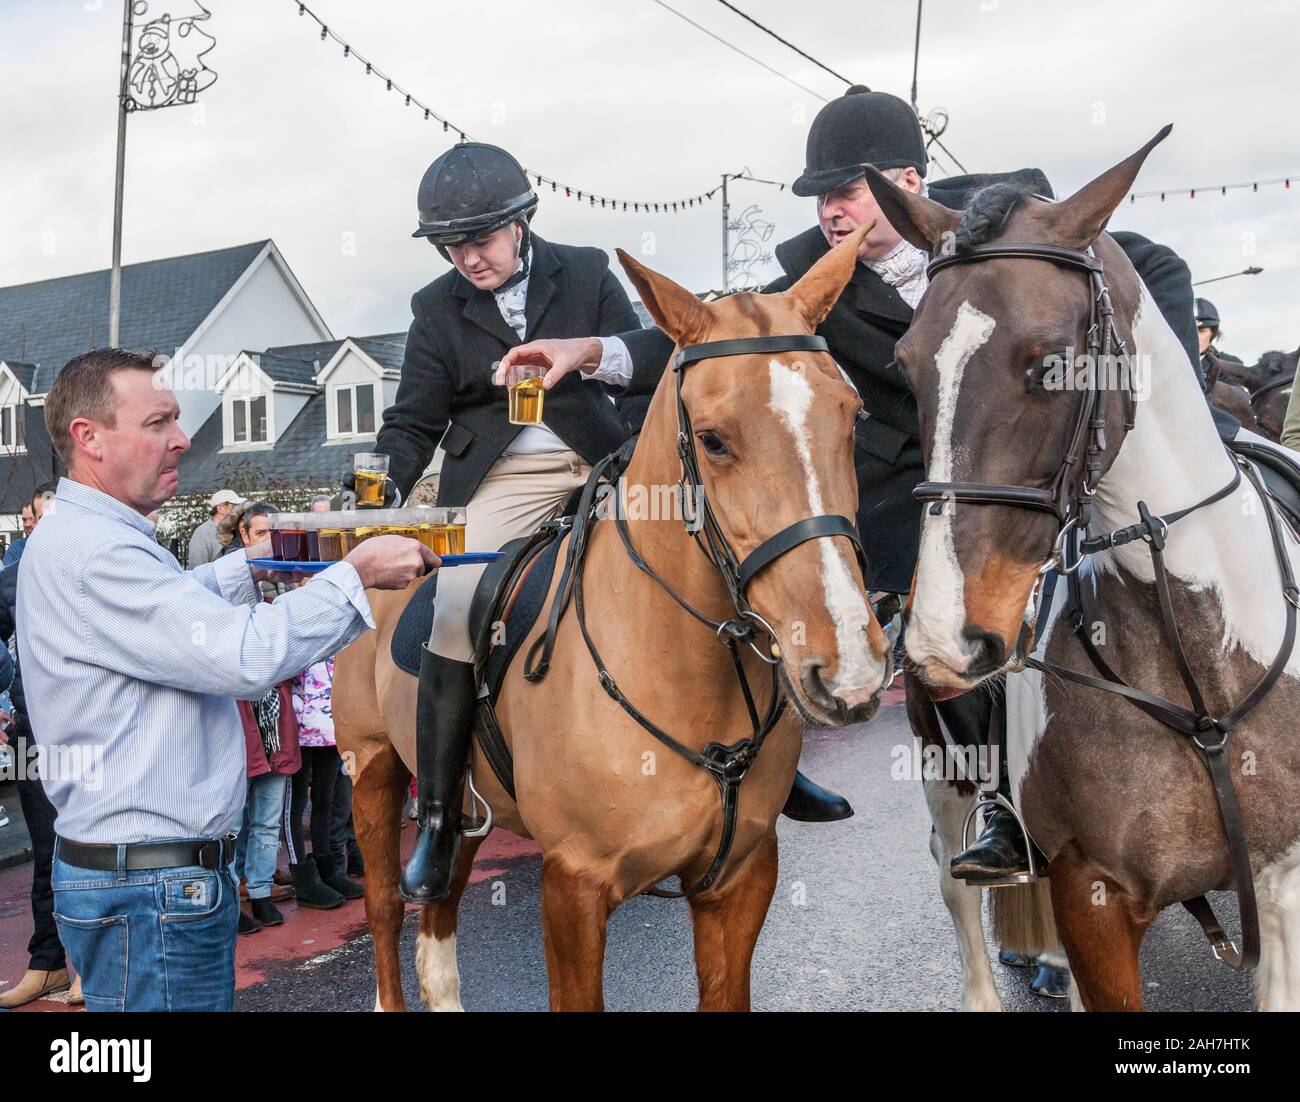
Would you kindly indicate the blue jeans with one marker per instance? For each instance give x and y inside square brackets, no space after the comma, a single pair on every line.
[155,939]
[259,838]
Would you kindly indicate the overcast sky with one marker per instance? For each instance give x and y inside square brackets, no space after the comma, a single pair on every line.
[623,98]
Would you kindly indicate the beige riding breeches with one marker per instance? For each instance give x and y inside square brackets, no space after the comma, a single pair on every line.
[518,495]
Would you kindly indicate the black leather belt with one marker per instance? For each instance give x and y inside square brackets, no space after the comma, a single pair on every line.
[207,853]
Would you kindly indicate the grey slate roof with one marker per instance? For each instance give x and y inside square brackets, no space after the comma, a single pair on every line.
[301,455]
[386,350]
[287,369]
[163,301]
[21,474]
[24,373]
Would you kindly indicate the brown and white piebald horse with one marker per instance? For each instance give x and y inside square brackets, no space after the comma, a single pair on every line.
[1121,804]
[613,810]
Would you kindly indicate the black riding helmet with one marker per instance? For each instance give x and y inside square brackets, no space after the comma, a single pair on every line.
[471,191]
[1207,317]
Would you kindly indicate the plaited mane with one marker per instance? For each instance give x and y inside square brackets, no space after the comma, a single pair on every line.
[986,214]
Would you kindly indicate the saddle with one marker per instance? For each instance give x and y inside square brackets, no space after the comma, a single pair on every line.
[509,597]
[1280,469]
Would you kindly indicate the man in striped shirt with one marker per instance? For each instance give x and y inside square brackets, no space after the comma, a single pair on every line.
[131,665]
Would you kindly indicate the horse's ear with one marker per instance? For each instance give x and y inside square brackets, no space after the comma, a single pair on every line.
[1078,221]
[822,284]
[675,310]
[925,223]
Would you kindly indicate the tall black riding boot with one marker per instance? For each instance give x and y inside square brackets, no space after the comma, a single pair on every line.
[999,855]
[444,722]
[811,803]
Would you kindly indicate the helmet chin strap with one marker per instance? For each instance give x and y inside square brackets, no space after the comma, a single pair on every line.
[524,255]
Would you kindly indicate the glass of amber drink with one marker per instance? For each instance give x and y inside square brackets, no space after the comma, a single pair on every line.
[330,543]
[454,533]
[526,395]
[370,476]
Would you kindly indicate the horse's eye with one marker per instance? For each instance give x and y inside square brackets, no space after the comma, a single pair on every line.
[1049,373]
[713,444]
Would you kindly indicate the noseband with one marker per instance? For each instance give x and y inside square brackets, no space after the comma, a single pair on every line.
[698,513]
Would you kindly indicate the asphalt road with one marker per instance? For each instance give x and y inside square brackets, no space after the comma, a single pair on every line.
[857,923]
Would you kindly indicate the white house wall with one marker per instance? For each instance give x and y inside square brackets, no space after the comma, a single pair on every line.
[263,314]
[286,408]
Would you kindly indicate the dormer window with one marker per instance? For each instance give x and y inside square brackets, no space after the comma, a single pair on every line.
[248,420]
[354,409]
[11,427]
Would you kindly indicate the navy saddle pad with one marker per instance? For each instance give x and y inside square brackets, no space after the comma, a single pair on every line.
[416,621]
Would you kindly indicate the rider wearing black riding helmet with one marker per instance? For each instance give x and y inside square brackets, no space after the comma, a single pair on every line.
[475,206]
[1207,336]
[859,128]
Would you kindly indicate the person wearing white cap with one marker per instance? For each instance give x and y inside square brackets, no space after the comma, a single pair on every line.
[204,545]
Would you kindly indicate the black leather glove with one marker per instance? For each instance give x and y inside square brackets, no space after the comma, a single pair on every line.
[347,496]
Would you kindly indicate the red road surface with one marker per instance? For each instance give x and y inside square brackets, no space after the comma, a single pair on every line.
[305,933]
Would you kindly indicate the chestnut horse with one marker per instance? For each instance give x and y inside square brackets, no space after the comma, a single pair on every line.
[1151,763]
[614,811]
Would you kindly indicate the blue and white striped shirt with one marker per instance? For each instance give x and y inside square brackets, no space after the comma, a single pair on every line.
[131,664]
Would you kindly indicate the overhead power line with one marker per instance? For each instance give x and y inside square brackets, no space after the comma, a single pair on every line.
[737,49]
[783,41]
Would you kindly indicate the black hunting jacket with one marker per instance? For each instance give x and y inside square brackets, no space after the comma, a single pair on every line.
[458,334]
[861,330]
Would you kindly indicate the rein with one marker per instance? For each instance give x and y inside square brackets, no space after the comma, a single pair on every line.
[727,764]
[1279,383]
[1070,499]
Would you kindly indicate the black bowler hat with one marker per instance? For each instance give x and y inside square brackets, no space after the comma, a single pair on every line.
[860,128]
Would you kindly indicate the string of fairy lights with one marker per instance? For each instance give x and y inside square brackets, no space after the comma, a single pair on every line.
[672,206]
[595,199]
[1222,189]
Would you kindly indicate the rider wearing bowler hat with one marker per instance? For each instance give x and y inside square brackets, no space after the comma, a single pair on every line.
[875,309]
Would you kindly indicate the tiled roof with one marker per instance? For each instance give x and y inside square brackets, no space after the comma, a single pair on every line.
[301,456]
[24,373]
[47,323]
[386,350]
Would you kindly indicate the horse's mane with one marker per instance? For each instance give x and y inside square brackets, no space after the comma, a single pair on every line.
[986,214]
[1274,361]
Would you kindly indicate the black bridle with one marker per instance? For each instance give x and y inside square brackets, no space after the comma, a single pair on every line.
[727,763]
[1069,499]
[1264,391]
[1069,496]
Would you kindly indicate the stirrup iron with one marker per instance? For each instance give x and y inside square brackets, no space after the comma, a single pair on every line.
[485,824]
[996,799]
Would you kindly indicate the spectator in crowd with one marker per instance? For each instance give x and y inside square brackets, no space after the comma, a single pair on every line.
[271,735]
[47,969]
[347,854]
[14,551]
[204,545]
[319,875]
[130,660]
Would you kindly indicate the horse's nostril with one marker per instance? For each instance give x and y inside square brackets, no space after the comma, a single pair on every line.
[810,675]
[987,651]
